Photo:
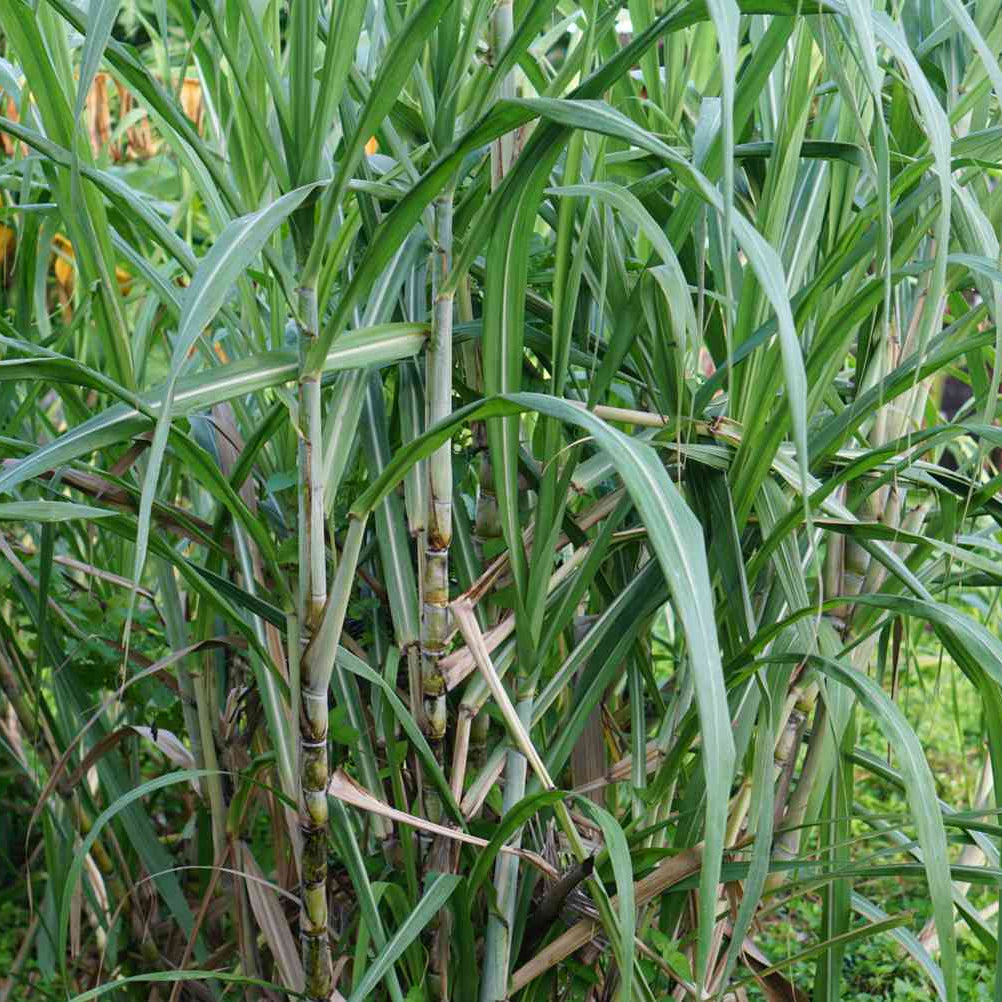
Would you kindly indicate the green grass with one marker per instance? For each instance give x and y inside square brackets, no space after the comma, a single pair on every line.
[876,968]
[948,718]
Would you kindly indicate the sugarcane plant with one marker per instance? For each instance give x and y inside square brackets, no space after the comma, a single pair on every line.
[475,476]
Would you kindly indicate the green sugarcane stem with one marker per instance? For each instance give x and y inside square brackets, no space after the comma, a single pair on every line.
[438,517]
[342,420]
[437,537]
[483,783]
[414,685]
[788,843]
[497,944]
[479,732]
[890,516]
[834,570]
[891,497]
[313,821]
[439,374]
[487,520]
[318,660]
[410,402]
[313,713]
[505,149]
[797,807]
[786,745]
[487,530]
[486,533]
[311,472]
[856,563]
[318,668]
[740,805]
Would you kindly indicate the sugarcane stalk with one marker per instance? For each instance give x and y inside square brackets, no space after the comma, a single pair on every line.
[834,571]
[437,538]
[486,526]
[504,149]
[410,395]
[497,947]
[483,783]
[313,766]
[437,535]
[204,703]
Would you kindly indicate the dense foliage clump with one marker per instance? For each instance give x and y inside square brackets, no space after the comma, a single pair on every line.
[499,500]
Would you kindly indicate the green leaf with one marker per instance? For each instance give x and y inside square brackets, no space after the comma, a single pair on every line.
[348,661]
[48,511]
[512,822]
[921,791]
[676,537]
[231,254]
[438,890]
[101,15]
[371,346]
[76,867]
[622,869]
[189,974]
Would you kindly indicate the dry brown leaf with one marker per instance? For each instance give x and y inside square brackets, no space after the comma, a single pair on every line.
[191,101]
[346,790]
[462,610]
[76,907]
[98,114]
[272,922]
[620,771]
[171,746]
[774,985]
